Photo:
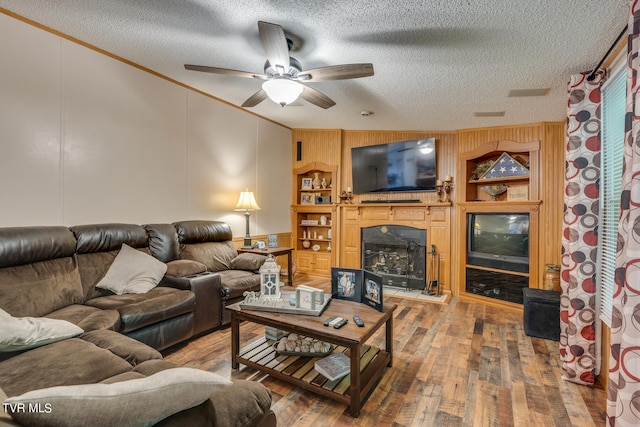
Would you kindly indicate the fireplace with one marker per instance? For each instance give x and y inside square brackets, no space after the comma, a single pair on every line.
[397,253]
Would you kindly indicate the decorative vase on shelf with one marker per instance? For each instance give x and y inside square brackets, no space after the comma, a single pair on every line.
[494,190]
[323,183]
[323,220]
[316,181]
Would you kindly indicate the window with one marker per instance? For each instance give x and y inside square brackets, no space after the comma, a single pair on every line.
[613,116]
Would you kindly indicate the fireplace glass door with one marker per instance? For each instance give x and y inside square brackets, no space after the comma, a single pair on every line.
[396,253]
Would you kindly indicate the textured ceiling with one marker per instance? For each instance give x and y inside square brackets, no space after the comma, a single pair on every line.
[436,62]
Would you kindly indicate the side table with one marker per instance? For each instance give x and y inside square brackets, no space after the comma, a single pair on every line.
[275,252]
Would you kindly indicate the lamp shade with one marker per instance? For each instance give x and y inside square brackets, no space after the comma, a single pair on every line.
[282,91]
[247,202]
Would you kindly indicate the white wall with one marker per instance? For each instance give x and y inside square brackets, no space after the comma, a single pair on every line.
[85,138]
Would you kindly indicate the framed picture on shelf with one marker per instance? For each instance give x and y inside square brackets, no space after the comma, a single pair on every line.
[273,240]
[307,184]
[260,244]
[307,199]
[346,283]
[372,290]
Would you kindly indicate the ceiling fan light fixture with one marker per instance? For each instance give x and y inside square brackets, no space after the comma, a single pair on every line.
[282,91]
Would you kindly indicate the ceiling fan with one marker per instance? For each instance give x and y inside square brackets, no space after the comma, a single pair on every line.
[283,75]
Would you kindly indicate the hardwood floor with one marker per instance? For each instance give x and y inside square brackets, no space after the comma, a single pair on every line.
[461,364]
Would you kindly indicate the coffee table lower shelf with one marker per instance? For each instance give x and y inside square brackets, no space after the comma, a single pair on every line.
[300,371]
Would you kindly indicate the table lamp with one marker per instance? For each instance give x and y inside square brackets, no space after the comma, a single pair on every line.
[247,202]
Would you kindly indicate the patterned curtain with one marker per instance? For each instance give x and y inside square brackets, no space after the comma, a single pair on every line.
[623,397]
[579,238]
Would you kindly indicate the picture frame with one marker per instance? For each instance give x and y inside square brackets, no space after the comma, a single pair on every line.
[372,290]
[307,184]
[272,240]
[346,284]
[307,199]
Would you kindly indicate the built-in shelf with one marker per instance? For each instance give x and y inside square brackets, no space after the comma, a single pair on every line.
[497,270]
[307,260]
[485,282]
[486,181]
[500,205]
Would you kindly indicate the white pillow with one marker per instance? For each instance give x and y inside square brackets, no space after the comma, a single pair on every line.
[138,402]
[22,333]
[132,272]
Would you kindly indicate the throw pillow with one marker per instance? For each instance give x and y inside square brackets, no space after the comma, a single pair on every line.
[132,272]
[248,262]
[137,402]
[22,333]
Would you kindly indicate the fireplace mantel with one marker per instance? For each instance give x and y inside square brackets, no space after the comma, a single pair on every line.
[433,217]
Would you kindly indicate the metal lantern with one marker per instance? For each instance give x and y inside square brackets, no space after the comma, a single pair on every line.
[270,279]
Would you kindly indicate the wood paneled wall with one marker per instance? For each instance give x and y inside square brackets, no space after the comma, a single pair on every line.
[333,146]
[445,152]
[317,145]
[551,173]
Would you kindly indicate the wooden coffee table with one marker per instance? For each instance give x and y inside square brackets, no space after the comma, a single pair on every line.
[367,363]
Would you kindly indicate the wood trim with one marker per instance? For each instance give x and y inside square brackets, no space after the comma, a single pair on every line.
[605,346]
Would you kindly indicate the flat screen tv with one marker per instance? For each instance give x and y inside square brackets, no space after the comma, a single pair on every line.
[498,240]
[398,166]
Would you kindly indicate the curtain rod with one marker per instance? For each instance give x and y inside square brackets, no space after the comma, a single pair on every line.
[593,73]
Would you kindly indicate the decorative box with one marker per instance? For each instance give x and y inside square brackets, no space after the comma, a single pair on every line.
[518,192]
[308,297]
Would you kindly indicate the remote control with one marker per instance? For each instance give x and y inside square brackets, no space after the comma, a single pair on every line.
[329,320]
[358,321]
[336,320]
[340,324]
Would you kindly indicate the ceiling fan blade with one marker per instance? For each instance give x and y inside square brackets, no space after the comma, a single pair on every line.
[337,72]
[275,45]
[316,97]
[255,99]
[225,71]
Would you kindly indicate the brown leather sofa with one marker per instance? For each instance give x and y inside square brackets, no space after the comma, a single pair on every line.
[209,243]
[201,256]
[52,272]
[108,357]
[161,317]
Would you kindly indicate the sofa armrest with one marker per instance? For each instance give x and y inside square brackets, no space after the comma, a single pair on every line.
[206,287]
